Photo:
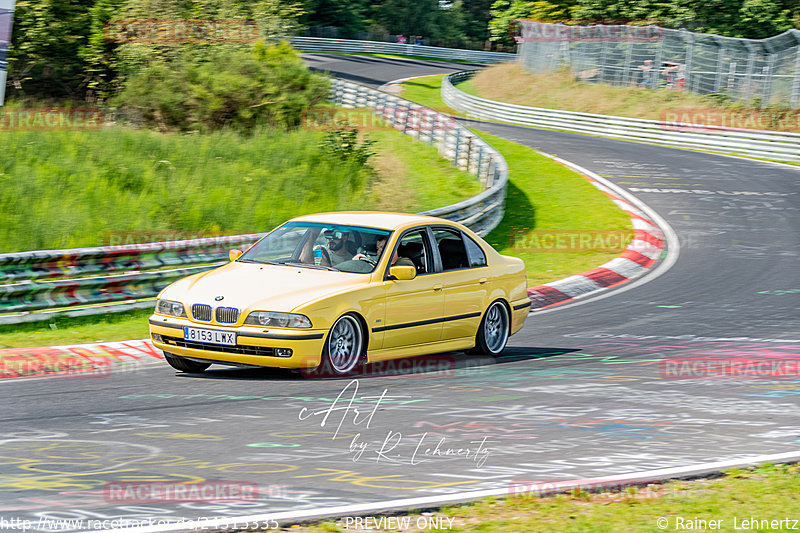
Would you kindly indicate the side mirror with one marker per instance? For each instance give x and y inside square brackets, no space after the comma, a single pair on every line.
[235,254]
[403,272]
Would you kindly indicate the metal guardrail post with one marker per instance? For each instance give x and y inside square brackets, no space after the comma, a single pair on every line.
[457,147]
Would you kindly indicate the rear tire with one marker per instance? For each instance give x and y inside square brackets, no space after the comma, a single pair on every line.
[185,365]
[492,334]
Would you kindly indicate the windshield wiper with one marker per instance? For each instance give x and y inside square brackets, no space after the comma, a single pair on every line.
[259,262]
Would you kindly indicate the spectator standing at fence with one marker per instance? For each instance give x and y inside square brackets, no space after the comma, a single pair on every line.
[401,39]
[649,74]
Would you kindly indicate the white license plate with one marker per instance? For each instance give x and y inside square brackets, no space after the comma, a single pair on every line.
[209,335]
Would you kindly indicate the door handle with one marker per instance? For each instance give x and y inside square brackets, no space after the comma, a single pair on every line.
[437,287]
[482,280]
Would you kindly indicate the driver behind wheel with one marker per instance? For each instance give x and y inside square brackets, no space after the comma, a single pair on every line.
[338,249]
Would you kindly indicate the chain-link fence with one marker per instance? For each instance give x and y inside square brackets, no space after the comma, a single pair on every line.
[756,72]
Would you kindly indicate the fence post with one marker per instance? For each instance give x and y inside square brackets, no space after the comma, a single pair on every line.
[657,62]
[751,59]
[794,101]
[769,76]
[602,62]
[720,56]
[687,62]
[626,76]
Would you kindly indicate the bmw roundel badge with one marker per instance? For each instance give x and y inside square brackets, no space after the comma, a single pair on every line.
[219,298]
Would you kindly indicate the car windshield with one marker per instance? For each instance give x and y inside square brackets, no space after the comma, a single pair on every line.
[337,247]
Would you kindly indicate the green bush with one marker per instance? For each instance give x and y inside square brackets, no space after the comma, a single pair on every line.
[209,88]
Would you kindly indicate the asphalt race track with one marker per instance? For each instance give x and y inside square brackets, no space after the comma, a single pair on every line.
[614,384]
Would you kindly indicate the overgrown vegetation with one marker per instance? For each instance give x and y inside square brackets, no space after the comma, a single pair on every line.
[216,88]
[68,189]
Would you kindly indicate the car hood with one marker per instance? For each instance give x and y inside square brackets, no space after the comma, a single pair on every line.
[250,286]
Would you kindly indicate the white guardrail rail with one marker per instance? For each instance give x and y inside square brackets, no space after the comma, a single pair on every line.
[753,143]
[42,284]
[346,46]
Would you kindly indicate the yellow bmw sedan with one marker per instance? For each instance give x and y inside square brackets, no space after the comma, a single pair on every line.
[334,291]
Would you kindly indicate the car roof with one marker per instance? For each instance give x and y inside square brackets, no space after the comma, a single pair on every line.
[375,219]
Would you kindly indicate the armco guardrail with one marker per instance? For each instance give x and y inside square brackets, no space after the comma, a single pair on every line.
[753,143]
[319,44]
[457,144]
[65,281]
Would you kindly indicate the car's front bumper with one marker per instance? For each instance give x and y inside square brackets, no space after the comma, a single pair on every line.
[254,345]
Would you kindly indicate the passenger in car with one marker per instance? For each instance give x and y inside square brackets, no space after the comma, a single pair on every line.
[397,260]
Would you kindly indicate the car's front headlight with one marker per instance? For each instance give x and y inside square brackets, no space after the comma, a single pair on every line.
[168,307]
[277,320]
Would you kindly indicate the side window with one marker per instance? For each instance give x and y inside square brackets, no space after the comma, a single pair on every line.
[451,249]
[476,256]
[413,251]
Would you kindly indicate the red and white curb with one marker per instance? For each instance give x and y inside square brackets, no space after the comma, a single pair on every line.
[654,240]
[94,360]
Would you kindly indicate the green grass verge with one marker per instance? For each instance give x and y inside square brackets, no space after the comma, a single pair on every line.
[427,91]
[77,330]
[542,195]
[768,492]
[545,198]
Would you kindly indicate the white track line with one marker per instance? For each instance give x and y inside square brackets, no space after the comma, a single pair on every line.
[458,497]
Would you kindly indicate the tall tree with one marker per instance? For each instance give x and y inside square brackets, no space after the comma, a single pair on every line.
[45,42]
[347,15]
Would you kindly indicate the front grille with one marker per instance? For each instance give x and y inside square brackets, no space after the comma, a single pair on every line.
[240,349]
[201,312]
[227,315]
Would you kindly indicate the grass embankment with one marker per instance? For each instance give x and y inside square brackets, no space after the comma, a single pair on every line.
[544,198]
[70,189]
[562,90]
[116,185]
[769,492]
[547,199]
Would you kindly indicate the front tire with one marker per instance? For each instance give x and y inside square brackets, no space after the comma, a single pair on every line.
[185,365]
[344,346]
[492,334]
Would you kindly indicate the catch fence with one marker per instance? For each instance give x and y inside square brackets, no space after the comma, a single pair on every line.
[758,72]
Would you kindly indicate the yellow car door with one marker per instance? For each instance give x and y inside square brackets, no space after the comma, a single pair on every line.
[414,308]
[464,280]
